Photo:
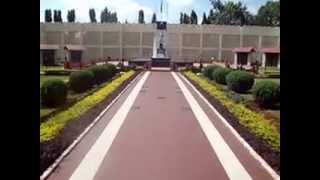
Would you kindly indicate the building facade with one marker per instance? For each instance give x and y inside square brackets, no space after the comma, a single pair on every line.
[184,41]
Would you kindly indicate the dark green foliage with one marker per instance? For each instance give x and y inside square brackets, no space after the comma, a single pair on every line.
[108,16]
[269,14]
[100,74]
[207,71]
[92,15]
[193,17]
[47,15]
[204,19]
[57,16]
[219,75]
[141,17]
[240,81]
[81,81]
[266,93]
[154,18]
[71,16]
[53,93]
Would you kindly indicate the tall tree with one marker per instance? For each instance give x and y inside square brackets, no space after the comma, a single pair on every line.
[154,18]
[141,17]
[59,16]
[193,17]
[269,14]
[204,19]
[55,16]
[181,18]
[211,17]
[71,16]
[108,16]
[47,15]
[186,19]
[92,15]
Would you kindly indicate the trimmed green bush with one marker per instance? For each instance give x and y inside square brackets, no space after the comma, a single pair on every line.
[81,81]
[100,73]
[266,93]
[195,70]
[112,68]
[51,128]
[239,81]
[53,93]
[219,75]
[207,71]
[254,121]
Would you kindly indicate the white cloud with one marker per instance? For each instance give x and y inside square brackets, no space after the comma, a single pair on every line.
[180,3]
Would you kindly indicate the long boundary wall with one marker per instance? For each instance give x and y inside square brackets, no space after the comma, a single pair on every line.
[127,41]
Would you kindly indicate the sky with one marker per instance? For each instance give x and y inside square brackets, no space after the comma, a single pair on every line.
[128,9]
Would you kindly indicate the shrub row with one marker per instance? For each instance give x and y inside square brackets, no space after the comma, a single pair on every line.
[53,126]
[254,121]
[54,92]
[265,93]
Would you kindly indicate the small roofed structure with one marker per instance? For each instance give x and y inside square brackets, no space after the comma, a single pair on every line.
[47,54]
[242,56]
[270,57]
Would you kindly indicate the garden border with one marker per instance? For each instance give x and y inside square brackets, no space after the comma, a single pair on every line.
[255,145]
[55,164]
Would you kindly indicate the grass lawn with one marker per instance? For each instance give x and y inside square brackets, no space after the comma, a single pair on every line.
[44,78]
[46,111]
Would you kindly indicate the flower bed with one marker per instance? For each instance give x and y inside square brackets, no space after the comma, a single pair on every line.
[254,121]
[52,127]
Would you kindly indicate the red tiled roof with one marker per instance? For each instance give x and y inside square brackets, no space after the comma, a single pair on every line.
[243,50]
[270,50]
[48,47]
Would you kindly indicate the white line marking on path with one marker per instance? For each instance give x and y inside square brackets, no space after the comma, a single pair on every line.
[90,164]
[229,161]
[51,168]
[255,155]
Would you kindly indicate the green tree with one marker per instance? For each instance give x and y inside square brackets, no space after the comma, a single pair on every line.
[193,17]
[108,16]
[154,18]
[204,19]
[181,18]
[47,15]
[71,16]
[57,16]
[186,19]
[92,15]
[141,17]
[269,14]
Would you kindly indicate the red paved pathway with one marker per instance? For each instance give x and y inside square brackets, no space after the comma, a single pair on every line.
[160,139]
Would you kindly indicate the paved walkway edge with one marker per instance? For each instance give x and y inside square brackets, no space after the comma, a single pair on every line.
[51,168]
[90,164]
[227,158]
[235,133]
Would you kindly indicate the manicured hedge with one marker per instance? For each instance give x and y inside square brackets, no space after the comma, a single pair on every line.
[266,93]
[254,121]
[219,75]
[207,71]
[100,74]
[53,93]
[81,81]
[240,81]
[54,125]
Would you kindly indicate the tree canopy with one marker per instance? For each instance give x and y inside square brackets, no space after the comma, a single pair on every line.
[47,15]
[108,16]
[154,18]
[141,17]
[92,15]
[71,16]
